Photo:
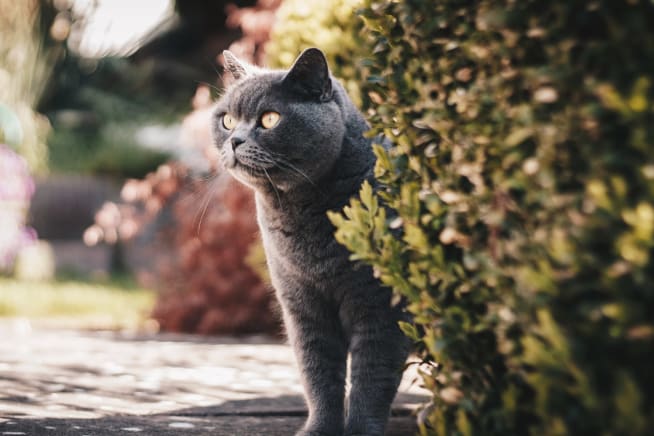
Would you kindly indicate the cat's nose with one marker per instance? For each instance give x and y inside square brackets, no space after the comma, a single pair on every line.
[236,141]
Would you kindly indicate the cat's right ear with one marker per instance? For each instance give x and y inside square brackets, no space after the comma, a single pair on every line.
[310,75]
[237,68]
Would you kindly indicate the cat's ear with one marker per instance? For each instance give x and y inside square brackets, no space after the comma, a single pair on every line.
[310,75]
[237,68]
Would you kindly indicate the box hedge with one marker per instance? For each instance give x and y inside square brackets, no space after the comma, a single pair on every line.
[519,208]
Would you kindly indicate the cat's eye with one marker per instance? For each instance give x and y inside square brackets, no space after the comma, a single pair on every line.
[269,119]
[229,122]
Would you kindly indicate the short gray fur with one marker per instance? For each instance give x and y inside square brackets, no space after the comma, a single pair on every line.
[313,161]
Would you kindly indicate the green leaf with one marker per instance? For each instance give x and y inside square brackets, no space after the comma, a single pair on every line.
[409,330]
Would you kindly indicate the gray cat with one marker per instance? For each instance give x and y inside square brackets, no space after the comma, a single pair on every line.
[297,140]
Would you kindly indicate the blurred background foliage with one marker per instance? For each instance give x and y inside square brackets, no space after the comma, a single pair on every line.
[26,62]
[98,88]
[93,104]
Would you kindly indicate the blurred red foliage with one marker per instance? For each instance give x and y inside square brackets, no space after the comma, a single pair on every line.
[255,22]
[192,241]
[210,288]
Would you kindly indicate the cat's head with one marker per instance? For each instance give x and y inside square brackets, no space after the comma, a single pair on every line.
[283,128]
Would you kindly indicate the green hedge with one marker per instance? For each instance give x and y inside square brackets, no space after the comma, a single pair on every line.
[523,183]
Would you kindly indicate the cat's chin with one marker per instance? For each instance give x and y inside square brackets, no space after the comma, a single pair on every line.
[262,185]
[245,176]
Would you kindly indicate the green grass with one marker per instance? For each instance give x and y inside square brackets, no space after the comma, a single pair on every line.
[115,303]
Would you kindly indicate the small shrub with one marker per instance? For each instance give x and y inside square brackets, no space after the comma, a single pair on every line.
[210,287]
[522,191]
[195,242]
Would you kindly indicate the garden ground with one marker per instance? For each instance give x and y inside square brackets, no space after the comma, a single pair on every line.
[56,381]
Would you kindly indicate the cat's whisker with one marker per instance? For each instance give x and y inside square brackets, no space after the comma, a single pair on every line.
[279,159]
[299,171]
[219,91]
[209,176]
[196,187]
[279,200]
[285,164]
[208,193]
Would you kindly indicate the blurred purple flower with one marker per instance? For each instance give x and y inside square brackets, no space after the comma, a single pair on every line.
[16,190]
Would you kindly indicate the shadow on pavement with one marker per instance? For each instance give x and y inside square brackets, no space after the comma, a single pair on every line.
[274,416]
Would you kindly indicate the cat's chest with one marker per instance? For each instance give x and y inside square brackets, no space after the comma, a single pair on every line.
[302,249]
[305,242]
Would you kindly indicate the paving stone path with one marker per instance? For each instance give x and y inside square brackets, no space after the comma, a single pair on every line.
[72,382]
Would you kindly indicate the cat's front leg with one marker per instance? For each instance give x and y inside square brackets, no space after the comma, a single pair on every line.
[321,353]
[378,357]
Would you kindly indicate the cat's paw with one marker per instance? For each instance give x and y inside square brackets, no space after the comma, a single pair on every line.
[358,433]
[304,432]
[368,430]
[324,427]
[320,431]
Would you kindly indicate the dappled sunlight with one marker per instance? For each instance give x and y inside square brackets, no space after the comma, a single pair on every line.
[136,374]
[155,384]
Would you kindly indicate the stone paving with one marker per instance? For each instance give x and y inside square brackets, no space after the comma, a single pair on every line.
[71,382]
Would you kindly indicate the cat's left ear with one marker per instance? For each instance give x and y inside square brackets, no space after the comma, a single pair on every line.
[236,67]
[310,75]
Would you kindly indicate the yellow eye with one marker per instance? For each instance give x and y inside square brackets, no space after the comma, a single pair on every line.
[269,120]
[229,122]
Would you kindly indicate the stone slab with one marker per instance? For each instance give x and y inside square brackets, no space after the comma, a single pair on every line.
[106,382]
